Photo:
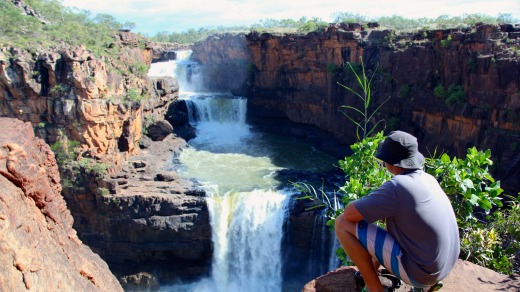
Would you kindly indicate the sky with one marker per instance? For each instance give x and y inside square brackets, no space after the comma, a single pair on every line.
[153,16]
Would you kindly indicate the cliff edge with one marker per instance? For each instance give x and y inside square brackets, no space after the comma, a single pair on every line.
[39,248]
[464,277]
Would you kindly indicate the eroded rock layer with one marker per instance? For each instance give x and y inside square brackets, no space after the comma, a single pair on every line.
[453,89]
[39,248]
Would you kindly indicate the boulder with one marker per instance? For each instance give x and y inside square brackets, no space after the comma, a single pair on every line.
[159,130]
[465,276]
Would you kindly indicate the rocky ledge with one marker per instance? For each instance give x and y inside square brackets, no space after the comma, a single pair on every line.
[464,277]
[151,226]
[40,249]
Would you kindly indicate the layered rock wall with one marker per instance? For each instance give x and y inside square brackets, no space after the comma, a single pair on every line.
[148,224]
[70,93]
[227,62]
[295,80]
[40,249]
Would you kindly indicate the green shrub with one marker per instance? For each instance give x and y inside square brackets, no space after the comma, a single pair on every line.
[139,68]
[439,91]
[70,26]
[467,182]
[454,94]
[58,90]
[404,91]
[65,151]
[446,42]
[134,95]
[103,192]
[332,68]
[93,167]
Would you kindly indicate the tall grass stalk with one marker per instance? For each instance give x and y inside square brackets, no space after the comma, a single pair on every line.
[363,124]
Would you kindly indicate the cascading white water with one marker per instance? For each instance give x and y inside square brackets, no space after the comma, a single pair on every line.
[246,213]
[236,168]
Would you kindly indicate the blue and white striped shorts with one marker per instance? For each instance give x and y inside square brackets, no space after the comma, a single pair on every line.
[381,245]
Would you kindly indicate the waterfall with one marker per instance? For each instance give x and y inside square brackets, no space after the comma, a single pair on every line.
[237,167]
[247,236]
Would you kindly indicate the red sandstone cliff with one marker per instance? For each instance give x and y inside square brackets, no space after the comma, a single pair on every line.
[99,102]
[140,218]
[293,78]
[39,248]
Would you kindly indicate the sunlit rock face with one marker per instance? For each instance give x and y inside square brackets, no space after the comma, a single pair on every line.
[138,219]
[453,89]
[99,102]
[40,249]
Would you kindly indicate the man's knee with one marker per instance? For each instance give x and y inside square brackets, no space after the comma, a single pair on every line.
[343,225]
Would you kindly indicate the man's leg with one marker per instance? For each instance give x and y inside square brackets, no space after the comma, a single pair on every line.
[346,233]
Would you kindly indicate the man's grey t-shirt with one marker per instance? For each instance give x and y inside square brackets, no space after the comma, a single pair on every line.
[420,217]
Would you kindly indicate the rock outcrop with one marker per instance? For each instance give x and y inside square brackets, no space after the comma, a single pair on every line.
[465,276]
[227,62]
[145,219]
[99,102]
[453,89]
[145,222]
[163,52]
[40,249]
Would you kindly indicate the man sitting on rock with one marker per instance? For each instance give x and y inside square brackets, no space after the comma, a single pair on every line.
[421,242]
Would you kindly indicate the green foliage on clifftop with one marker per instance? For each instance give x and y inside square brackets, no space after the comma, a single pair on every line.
[58,24]
[305,25]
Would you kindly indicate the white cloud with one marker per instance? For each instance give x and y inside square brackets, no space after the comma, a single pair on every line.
[152,16]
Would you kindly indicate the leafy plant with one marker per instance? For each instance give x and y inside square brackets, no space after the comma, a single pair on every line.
[58,90]
[439,91]
[488,239]
[404,91]
[467,182]
[446,42]
[65,151]
[134,95]
[454,94]
[103,192]
[363,171]
[93,167]
[363,124]
[139,68]
[332,68]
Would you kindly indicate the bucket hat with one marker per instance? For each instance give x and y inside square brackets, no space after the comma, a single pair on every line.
[400,149]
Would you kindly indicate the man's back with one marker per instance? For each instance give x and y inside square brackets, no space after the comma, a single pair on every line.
[420,217]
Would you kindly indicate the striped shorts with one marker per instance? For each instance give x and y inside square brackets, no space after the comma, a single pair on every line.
[381,245]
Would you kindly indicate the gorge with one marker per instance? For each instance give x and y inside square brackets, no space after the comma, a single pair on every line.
[151,222]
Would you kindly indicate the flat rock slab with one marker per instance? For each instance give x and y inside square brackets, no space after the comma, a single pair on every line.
[464,277]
